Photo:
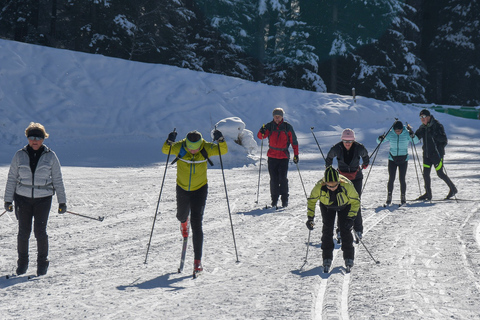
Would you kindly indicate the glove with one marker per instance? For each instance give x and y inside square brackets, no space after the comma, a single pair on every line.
[62,208]
[295,159]
[9,206]
[310,223]
[263,129]
[171,137]
[349,223]
[364,166]
[381,138]
[218,136]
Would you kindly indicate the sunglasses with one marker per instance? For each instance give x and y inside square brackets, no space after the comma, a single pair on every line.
[332,187]
[423,116]
[35,138]
[347,141]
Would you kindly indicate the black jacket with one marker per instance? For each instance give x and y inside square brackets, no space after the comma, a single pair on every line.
[348,161]
[434,139]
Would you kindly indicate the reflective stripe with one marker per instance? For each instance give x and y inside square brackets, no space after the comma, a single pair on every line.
[192,162]
[439,167]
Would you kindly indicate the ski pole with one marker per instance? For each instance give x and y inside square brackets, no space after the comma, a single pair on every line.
[376,152]
[359,239]
[308,246]
[415,165]
[3,213]
[228,203]
[84,216]
[311,128]
[158,202]
[301,180]
[260,167]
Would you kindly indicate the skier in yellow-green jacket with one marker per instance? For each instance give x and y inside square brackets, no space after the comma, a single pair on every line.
[193,153]
[336,195]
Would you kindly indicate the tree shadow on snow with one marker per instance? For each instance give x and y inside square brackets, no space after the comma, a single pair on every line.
[164,281]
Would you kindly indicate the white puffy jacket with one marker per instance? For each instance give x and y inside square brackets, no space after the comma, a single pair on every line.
[45,182]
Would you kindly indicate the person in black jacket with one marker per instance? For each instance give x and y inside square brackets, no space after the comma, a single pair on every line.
[348,153]
[434,143]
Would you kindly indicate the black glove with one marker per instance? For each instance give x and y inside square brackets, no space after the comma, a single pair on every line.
[349,223]
[9,206]
[381,138]
[62,208]
[310,223]
[295,159]
[263,129]
[218,136]
[171,137]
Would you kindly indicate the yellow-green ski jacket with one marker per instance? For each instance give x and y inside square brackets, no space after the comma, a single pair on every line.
[347,196]
[192,168]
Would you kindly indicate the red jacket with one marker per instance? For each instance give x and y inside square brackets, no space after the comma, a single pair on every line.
[279,138]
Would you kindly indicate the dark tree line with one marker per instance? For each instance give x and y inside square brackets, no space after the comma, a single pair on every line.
[406,51]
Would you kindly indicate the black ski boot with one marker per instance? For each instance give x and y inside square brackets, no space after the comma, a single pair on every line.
[403,199]
[348,264]
[426,196]
[22,266]
[42,267]
[274,200]
[285,200]
[453,191]
[389,198]
[327,263]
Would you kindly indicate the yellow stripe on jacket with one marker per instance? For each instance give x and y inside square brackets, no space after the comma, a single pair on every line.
[347,196]
[192,172]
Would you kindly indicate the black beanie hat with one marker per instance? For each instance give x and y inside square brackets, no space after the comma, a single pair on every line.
[398,125]
[425,112]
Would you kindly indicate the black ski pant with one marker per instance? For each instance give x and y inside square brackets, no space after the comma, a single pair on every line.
[193,203]
[328,219]
[439,168]
[26,211]
[278,170]
[358,223]
[392,172]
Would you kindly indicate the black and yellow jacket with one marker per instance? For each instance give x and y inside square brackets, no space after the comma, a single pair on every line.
[192,168]
[347,195]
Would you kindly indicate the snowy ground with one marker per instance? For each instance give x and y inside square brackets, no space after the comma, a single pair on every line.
[429,252]
[108,118]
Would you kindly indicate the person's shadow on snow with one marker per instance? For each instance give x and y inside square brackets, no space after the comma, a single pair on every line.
[317,271]
[164,281]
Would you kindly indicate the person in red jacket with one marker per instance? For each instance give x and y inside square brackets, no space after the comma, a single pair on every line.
[280,136]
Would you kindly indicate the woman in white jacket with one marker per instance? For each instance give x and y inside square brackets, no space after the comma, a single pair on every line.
[34,177]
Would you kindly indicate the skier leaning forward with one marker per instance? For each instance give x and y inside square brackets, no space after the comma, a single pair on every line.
[192,188]
[336,195]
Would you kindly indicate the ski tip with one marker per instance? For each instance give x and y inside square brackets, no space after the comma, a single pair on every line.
[378,262]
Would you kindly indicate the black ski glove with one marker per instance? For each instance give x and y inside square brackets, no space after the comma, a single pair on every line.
[349,223]
[171,137]
[218,136]
[8,206]
[310,223]
[62,208]
[295,159]
[263,129]
[381,138]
